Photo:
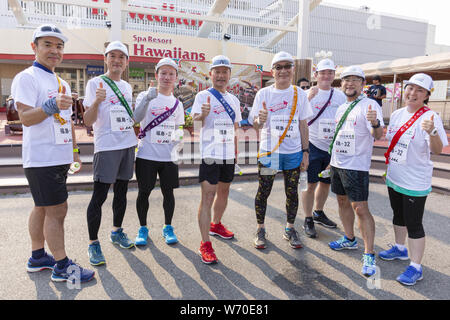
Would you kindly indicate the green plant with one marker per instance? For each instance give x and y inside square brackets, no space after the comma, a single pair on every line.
[188,121]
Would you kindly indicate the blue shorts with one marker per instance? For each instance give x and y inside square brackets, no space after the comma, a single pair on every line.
[280,161]
[318,162]
[352,183]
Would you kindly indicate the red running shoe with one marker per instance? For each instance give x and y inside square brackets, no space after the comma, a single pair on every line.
[207,253]
[220,230]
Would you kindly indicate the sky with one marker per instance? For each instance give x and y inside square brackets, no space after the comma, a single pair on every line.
[434,11]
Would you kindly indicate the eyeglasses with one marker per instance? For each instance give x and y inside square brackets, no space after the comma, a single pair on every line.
[50,29]
[286,67]
[305,87]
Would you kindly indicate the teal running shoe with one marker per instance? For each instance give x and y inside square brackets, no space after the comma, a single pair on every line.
[95,254]
[141,239]
[121,238]
[168,234]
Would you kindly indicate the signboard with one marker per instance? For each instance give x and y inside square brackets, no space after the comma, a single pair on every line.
[95,70]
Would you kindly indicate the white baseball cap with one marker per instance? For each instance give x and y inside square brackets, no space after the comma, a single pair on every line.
[220,61]
[116,45]
[326,64]
[48,30]
[166,62]
[282,56]
[353,71]
[422,80]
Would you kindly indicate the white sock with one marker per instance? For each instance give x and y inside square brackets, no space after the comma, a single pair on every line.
[417,266]
[400,247]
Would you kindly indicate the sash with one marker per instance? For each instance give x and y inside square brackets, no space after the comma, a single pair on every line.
[119,94]
[323,108]
[403,129]
[40,66]
[291,117]
[224,103]
[158,120]
[341,122]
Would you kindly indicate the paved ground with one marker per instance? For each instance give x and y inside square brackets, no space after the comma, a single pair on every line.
[159,271]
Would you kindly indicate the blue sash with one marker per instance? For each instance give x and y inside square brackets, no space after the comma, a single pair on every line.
[225,104]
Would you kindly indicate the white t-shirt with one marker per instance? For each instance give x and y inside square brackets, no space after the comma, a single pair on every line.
[158,143]
[414,169]
[47,143]
[353,147]
[217,134]
[111,132]
[279,107]
[321,132]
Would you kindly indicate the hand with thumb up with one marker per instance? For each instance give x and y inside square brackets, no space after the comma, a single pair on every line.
[206,107]
[371,116]
[100,93]
[428,125]
[63,101]
[263,113]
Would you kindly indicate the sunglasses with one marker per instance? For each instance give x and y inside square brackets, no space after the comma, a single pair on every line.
[286,67]
[305,87]
[50,29]
[219,62]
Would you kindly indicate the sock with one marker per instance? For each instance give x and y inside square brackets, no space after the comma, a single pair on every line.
[60,264]
[37,254]
[353,239]
[400,247]
[418,267]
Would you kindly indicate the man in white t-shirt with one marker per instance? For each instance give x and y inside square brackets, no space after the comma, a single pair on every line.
[359,122]
[108,109]
[218,112]
[160,115]
[324,101]
[49,146]
[280,111]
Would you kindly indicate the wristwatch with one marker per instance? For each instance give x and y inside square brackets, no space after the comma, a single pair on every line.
[377,125]
[305,150]
[434,132]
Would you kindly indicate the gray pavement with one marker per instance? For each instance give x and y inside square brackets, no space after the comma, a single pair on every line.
[159,271]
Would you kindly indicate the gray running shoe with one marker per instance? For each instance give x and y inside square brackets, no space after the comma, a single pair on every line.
[260,239]
[310,230]
[291,235]
[121,239]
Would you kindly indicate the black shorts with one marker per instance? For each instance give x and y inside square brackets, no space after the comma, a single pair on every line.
[215,171]
[147,170]
[48,184]
[352,183]
[318,162]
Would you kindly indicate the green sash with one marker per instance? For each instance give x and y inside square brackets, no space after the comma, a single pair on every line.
[119,94]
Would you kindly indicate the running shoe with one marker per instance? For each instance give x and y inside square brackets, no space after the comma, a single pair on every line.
[207,253]
[95,254]
[291,235]
[121,238]
[220,230]
[394,253]
[45,262]
[260,239]
[410,276]
[169,235]
[72,272]
[321,218]
[369,266]
[343,243]
[141,238]
[309,227]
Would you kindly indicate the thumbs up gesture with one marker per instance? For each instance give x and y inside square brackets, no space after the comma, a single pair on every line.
[263,113]
[63,101]
[372,116]
[313,92]
[206,107]
[428,125]
[100,94]
[152,92]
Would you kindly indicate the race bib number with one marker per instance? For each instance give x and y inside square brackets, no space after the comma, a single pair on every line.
[163,133]
[120,120]
[327,128]
[345,143]
[63,133]
[223,131]
[398,154]
[279,123]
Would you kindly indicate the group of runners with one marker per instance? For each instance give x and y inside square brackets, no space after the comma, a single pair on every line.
[321,130]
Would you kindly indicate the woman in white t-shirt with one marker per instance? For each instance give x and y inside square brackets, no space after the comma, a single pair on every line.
[160,115]
[410,171]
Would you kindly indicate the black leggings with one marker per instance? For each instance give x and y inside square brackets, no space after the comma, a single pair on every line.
[119,205]
[408,212]
[265,187]
[142,204]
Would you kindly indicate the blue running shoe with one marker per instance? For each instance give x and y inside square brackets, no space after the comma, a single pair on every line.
[394,253]
[71,272]
[141,239]
[36,265]
[410,276]
[369,267]
[95,254]
[121,238]
[343,243]
[168,234]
